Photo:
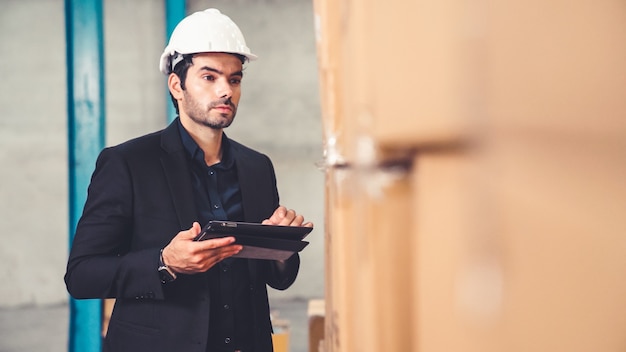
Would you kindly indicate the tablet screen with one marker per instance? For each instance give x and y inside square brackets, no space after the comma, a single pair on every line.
[234,228]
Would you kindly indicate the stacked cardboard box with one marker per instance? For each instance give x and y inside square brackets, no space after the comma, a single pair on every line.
[475,163]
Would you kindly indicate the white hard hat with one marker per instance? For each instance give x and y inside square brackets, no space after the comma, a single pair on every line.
[200,32]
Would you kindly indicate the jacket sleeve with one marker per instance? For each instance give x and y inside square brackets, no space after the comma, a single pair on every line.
[100,263]
[281,276]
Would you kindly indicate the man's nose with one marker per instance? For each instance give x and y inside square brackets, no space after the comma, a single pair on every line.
[223,89]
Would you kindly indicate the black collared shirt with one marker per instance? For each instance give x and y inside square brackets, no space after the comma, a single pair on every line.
[217,197]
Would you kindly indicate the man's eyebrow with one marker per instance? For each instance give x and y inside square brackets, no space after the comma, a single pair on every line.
[211,69]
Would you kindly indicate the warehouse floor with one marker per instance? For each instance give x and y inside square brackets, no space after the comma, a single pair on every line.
[45,329]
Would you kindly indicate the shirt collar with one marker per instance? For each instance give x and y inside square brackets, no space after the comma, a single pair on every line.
[197,155]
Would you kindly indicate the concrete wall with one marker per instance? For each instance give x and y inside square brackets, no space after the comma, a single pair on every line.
[279,115]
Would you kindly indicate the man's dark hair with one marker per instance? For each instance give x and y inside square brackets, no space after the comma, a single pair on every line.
[182,68]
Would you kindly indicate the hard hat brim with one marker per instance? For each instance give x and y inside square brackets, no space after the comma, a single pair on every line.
[164,62]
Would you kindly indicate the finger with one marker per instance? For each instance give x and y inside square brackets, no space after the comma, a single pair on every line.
[296,221]
[215,243]
[278,215]
[219,254]
[288,219]
[193,231]
[307,224]
[229,251]
[207,258]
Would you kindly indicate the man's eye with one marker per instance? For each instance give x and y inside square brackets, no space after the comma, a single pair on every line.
[209,78]
[235,81]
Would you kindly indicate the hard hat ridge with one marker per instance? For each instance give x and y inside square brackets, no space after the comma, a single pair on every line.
[204,31]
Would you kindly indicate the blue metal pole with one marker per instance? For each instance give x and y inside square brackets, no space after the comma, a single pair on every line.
[175,11]
[86,124]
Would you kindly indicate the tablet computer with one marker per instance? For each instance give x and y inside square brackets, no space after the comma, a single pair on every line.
[234,228]
[257,247]
[259,241]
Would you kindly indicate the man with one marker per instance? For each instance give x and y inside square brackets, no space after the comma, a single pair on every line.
[148,198]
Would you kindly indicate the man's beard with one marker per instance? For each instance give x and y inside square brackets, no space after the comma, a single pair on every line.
[202,116]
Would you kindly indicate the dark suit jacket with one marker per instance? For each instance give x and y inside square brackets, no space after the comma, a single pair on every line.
[140,197]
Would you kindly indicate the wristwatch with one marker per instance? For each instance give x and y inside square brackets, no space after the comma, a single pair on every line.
[166,274]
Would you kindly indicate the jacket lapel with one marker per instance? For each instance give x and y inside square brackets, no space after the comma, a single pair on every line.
[249,194]
[176,170]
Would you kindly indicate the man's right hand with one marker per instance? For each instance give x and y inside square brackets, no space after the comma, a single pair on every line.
[186,256]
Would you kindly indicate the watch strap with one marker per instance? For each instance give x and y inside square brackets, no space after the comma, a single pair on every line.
[166,274]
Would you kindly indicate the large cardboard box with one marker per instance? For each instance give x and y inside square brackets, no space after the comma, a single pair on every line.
[507,232]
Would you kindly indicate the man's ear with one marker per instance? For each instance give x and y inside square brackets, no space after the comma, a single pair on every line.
[174,85]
